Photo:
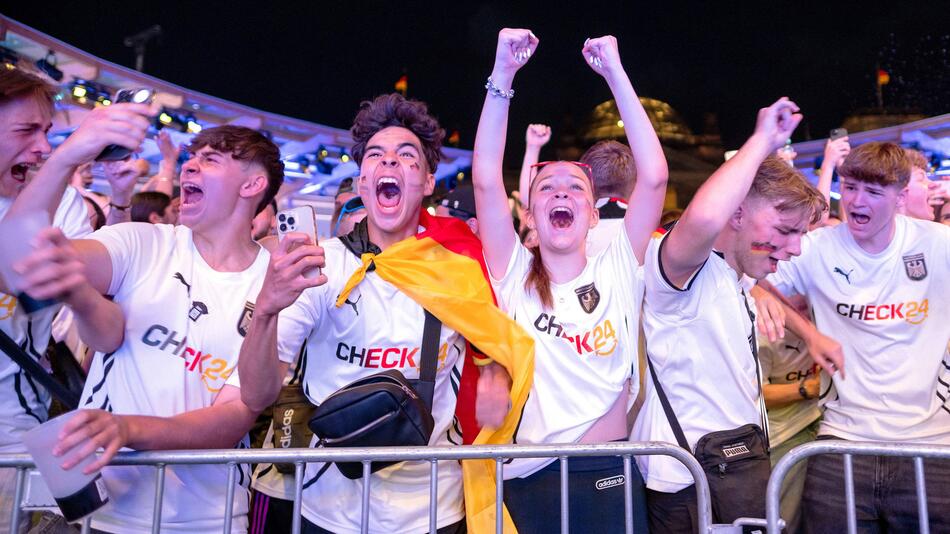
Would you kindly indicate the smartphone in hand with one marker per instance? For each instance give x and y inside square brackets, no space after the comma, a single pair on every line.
[837,133]
[137,96]
[301,219]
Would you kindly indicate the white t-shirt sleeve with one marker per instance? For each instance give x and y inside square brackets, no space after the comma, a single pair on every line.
[296,322]
[72,216]
[675,304]
[130,247]
[511,282]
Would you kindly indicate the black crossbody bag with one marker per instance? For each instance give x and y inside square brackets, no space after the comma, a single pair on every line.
[736,461]
[381,410]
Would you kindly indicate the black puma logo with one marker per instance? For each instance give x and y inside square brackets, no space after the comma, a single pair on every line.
[353,303]
[180,278]
[846,275]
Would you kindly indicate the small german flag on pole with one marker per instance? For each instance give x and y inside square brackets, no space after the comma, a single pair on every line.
[883,78]
[402,85]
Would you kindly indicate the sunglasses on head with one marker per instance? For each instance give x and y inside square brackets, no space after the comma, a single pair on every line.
[352,205]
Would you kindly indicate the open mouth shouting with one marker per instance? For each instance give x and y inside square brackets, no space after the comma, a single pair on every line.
[859,218]
[388,192]
[191,194]
[20,170]
[561,217]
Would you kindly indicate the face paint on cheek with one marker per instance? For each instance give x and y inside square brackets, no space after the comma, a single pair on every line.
[762,248]
[414,166]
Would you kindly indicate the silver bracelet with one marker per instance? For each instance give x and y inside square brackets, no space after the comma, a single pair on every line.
[493,90]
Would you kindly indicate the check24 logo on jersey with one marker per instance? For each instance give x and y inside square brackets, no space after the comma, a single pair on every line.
[600,340]
[213,371]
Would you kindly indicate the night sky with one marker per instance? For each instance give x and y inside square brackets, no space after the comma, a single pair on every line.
[727,58]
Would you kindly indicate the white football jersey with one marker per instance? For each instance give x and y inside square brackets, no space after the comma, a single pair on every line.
[378,328]
[585,347]
[185,323]
[787,361]
[23,402]
[890,312]
[699,339]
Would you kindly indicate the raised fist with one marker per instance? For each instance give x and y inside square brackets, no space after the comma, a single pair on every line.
[602,54]
[515,48]
[777,122]
[538,135]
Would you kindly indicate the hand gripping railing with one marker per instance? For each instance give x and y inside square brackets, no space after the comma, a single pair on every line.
[848,449]
[299,457]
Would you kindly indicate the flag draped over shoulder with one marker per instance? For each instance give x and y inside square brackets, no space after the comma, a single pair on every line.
[442,269]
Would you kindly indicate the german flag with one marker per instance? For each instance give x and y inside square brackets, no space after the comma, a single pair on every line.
[883,77]
[442,269]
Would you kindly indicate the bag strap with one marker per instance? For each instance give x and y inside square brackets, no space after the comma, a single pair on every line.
[35,370]
[670,415]
[430,358]
[754,345]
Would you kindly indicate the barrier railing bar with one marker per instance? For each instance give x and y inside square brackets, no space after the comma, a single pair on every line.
[298,496]
[499,496]
[565,498]
[364,513]
[159,495]
[229,497]
[433,494]
[859,448]
[924,521]
[498,453]
[628,494]
[17,499]
[849,494]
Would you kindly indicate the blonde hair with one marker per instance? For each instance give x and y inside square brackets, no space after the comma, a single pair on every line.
[786,189]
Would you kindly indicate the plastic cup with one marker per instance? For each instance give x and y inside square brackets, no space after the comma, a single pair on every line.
[76,493]
[19,232]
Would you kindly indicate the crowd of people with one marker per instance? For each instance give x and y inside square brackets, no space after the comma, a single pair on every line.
[752,321]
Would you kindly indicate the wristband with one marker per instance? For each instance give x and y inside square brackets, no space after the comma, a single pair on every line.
[120,208]
[802,391]
[493,90]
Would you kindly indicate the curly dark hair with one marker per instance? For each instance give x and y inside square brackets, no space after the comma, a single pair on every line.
[245,144]
[394,110]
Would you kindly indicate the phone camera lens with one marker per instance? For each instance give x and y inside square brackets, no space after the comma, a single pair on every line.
[141,96]
[281,217]
[291,221]
[283,227]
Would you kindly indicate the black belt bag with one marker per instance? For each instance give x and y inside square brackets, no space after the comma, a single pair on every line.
[737,467]
[382,410]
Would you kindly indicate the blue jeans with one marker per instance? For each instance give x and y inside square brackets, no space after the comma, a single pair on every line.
[884,494]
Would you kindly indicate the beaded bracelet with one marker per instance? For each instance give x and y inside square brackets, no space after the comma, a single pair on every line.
[493,90]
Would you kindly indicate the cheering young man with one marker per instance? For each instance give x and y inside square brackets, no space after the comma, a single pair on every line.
[168,342]
[700,329]
[879,283]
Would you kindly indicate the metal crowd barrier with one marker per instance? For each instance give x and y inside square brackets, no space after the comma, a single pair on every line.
[299,457]
[848,449]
